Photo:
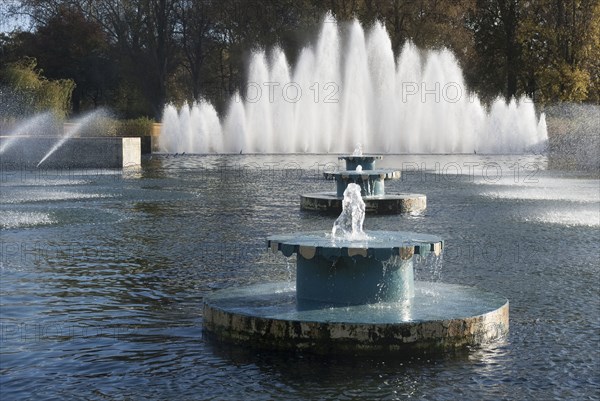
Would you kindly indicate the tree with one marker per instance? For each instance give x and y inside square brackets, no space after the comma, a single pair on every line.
[32,92]
[494,24]
[143,32]
[561,49]
[67,46]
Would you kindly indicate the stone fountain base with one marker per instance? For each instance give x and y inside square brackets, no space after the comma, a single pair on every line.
[329,202]
[441,317]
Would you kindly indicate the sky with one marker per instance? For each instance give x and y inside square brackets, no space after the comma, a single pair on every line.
[8,23]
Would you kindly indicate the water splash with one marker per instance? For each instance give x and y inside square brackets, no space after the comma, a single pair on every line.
[351,89]
[71,131]
[349,225]
[37,125]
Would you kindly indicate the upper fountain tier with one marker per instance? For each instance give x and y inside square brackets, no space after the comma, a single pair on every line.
[367,162]
[371,182]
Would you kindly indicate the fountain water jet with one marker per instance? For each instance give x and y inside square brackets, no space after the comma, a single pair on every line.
[36,144]
[350,89]
[72,131]
[31,126]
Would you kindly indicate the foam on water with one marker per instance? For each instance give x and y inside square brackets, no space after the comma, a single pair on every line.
[348,89]
[580,193]
[48,196]
[13,219]
[584,218]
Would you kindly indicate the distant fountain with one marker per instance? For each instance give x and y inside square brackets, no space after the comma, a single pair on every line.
[343,92]
[361,173]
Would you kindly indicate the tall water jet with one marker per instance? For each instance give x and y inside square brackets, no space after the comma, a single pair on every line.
[356,91]
[259,118]
[408,79]
[383,79]
[327,78]
[281,97]
[350,89]
[235,126]
[169,131]
[305,108]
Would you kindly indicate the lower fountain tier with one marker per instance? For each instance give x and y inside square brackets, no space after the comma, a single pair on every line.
[330,202]
[348,281]
[440,317]
[339,271]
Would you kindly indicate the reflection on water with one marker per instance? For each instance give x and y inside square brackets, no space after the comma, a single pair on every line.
[102,278]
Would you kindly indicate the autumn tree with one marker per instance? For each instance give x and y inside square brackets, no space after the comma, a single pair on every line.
[561,50]
[67,46]
[27,91]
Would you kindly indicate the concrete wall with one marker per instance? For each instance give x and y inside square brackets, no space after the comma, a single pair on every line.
[97,152]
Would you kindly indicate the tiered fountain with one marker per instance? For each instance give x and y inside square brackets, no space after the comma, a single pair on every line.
[355,292]
[360,170]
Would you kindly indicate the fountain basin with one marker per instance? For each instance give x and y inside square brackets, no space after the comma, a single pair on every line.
[77,152]
[330,202]
[440,317]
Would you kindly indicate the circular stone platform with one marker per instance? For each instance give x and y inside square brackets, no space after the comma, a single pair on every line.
[329,202]
[440,317]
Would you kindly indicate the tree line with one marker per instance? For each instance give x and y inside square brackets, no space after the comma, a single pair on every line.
[133,56]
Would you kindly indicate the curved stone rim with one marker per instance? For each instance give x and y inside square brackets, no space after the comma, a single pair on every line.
[361,157]
[385,173]
[435,335]
[381,245]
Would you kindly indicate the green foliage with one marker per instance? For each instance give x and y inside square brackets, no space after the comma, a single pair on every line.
[560,46]
[108,126]
[37,93]
[136,127]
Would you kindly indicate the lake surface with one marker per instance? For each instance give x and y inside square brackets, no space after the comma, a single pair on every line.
[102,276]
